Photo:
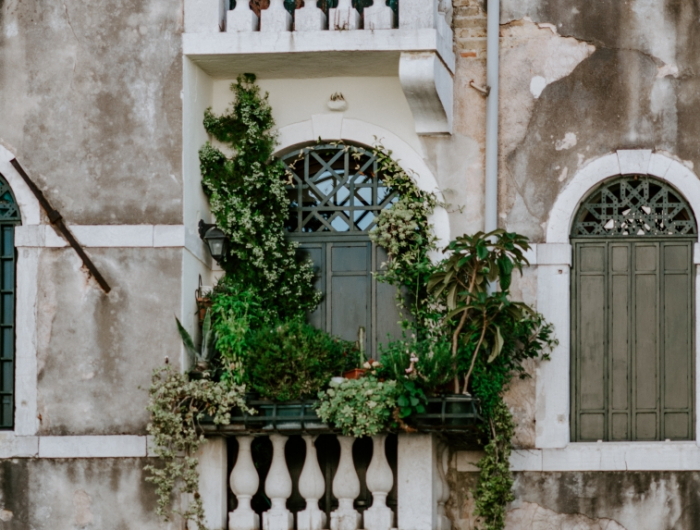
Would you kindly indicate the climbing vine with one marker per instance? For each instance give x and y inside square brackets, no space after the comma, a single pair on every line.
[249,202]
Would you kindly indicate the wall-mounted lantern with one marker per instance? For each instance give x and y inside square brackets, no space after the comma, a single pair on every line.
[215,239]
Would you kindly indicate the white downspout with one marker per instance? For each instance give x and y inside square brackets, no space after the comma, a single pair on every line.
[492,68]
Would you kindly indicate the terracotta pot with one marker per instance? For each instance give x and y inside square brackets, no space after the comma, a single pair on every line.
[355,373]
[202,305]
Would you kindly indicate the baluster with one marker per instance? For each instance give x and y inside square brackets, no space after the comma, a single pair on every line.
[346,488]
[344,16]
[380,479]
[242,18]
[310,17]
[443,522]
[275,18]
[278,488]
[379,16]
[312,486]
[244,483]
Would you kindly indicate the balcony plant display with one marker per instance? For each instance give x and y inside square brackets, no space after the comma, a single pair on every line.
[461,336]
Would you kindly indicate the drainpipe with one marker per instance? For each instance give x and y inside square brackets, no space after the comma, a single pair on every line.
[492,67]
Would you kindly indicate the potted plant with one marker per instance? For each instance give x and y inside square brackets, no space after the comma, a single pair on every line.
[201,357]
[359,370]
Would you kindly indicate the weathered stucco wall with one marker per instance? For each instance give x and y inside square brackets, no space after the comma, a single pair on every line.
[96,351]
[90,100]
[590,501]
[98,494]
[635,87]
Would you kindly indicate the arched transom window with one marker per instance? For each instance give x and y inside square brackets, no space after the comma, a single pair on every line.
[632,313]
[9,218]
[336,195]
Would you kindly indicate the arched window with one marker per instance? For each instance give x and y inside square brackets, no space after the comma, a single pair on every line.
[336,196]
[9,218]
[632,313]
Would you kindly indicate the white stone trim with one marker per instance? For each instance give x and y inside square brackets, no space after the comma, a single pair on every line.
[610,456]
[92,446]
[552,406]
[109,446]
[362,132]
[103,236]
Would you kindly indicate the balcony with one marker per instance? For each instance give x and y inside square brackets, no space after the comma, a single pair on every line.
[414,44]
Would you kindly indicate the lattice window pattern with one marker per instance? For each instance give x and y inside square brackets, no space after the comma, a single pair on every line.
[334,189]
[634,206]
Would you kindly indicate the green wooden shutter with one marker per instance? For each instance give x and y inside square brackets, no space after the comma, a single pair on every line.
[352,296]
[7,324]
[632,338]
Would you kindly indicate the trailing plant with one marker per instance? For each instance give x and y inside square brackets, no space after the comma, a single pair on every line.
[359,407]
[293,360]
[494,489]
[248,199]
[177,405]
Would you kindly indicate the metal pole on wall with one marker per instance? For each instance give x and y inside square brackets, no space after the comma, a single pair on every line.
[492,69]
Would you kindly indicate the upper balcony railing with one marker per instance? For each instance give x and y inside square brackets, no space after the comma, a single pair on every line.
[415,42]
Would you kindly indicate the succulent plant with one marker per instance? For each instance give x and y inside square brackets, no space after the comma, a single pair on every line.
[201,357]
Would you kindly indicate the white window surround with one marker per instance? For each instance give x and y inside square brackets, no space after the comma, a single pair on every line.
[554,450]
[30,237]
[334,127]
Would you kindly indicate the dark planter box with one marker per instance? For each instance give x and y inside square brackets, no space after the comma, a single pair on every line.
[449,412]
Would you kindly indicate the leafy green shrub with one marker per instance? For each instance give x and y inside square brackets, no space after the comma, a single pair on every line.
[235,311]
[359,407]
[293,360]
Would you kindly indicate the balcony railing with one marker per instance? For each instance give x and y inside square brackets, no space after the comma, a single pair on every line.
[338,482]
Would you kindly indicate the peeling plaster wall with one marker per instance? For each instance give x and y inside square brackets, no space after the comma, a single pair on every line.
[90,100]
[96,351]
[589,501]
[79,494]
[626,80]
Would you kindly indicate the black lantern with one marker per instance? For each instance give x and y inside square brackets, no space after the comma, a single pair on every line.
[214,238]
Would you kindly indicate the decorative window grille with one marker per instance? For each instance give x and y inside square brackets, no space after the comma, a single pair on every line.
[334,189]
[9,217]
[634,206]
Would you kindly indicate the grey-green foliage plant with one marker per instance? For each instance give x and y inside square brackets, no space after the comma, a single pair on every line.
[177,405]
[358,407]
[201,357]
[293,360]
[248,199]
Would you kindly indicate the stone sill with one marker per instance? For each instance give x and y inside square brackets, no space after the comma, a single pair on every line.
[306,54]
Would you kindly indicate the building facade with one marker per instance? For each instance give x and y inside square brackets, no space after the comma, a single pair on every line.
[598,150]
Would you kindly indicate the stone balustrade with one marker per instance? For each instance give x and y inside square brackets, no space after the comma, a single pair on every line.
[215,16]
[419,483]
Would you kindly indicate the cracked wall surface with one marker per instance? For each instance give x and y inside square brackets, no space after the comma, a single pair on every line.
[90,101]
[589,501]
[77,494]
[96,351]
